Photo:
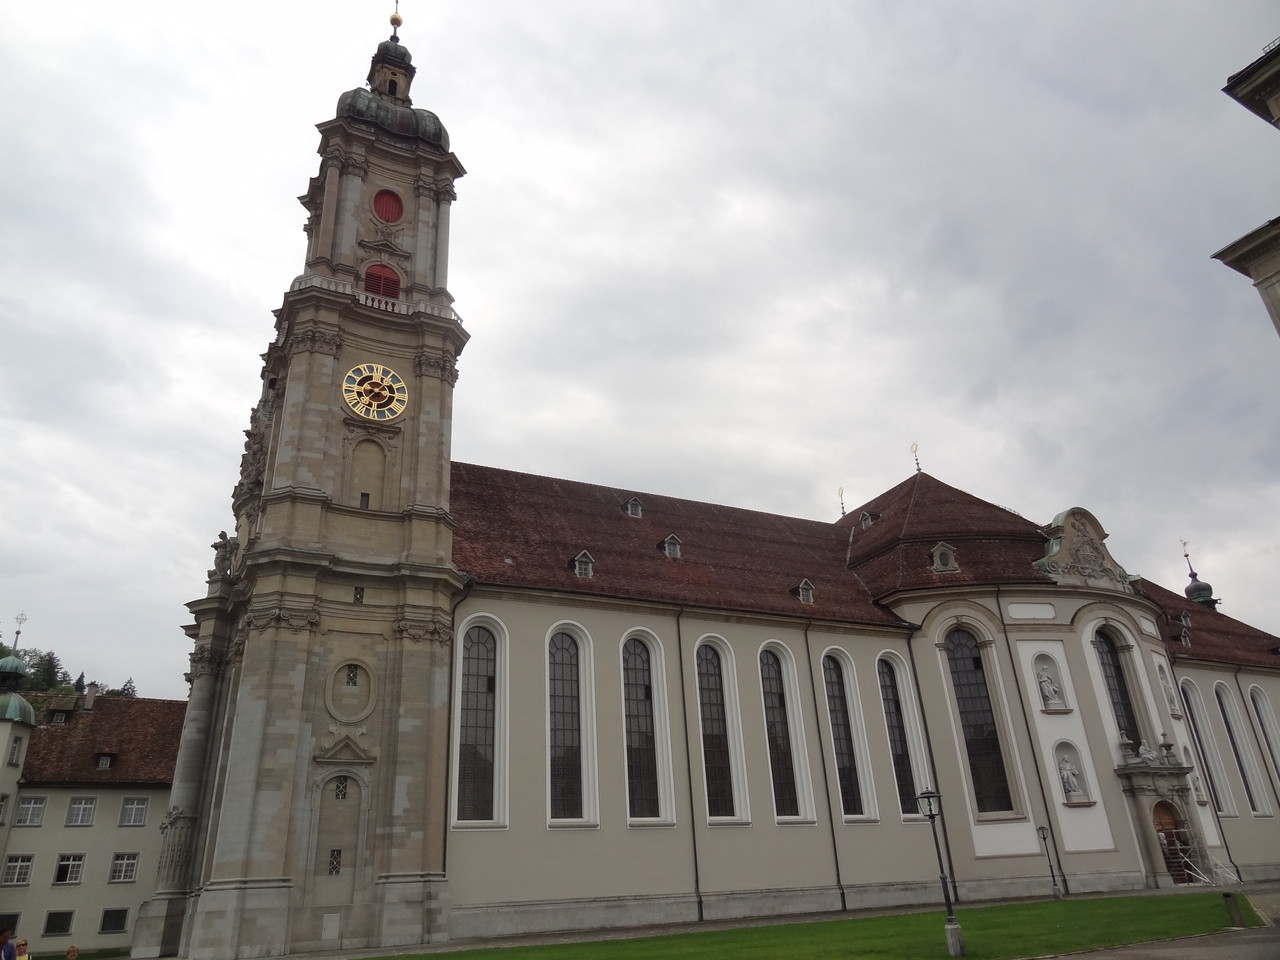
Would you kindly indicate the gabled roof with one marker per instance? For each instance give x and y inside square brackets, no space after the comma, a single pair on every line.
[520,530]
[141,735]
[992,544]
[1213,635]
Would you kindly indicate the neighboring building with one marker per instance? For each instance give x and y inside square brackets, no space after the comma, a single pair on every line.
[609,707]
[1257,254]
[83,793]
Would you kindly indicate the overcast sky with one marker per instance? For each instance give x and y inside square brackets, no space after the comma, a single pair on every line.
[743,252]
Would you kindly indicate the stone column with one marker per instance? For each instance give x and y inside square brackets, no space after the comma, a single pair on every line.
[445,199]
[350,194]
[329,206]
[424,252]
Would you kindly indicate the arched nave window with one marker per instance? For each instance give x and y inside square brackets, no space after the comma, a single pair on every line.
[978,723]
[1244,761]
[845,736]
[1203,736]
[899,724]
[641,730]
[571,739]
[1117,687]
[1267,724]
[721,734]
[480,724]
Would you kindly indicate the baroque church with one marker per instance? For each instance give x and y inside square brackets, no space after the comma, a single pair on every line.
[433,700]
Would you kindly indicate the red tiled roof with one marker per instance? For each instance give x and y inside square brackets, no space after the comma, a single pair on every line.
[521,530]
[142,735]
[1213,635]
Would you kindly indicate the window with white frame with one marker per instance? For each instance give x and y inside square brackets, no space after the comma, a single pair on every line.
[30,812]
[1223,801]
[17,870]
[1266,723]
[1240,750]
[784,735]
[570,729]
[978,723]
[477,725]
[124,868]
[115,920]
[57,923]
[15,752]
[70,868]
[640,726]
[133,812]
[844,736]
[899,726]
[80,811]
[721,739]
[4,807]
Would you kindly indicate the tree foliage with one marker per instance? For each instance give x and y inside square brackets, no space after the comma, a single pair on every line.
[46,674]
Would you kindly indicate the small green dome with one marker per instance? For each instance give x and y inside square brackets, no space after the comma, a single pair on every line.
[12,664]
[14,707]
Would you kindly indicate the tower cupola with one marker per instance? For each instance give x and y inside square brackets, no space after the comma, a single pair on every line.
[391,70]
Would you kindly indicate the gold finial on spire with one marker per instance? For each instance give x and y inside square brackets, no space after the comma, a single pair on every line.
[915,453]
[396,20]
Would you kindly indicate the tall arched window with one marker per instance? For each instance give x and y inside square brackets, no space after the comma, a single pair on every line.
[1203,736]
[896,726]
[477,725]
[642,754]
[842,735]
[717,761]
[382,281]
[1267,723]
[978,723]
[778,733]
[1226,706]
[1117,688]
[565,722]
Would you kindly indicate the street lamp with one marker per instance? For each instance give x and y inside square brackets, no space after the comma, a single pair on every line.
[930,804]
[1043,831]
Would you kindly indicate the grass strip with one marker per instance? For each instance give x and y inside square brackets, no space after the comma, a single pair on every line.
[1002,932]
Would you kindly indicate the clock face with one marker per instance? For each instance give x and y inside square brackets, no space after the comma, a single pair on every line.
[375,392]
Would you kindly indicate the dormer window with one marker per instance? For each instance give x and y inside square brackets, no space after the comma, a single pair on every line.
[868,519]
[671,546]
[104,761]
[583,565]
[944,559]
[1185,637]
[633,508]
[804,591]
[58,716]
[382,282]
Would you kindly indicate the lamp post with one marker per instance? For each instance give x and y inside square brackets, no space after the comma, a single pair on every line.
[1043,831]
[930,804]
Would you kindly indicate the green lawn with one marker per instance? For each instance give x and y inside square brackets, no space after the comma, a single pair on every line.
[1003,932]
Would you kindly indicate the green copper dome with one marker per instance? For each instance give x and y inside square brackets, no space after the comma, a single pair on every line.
[14,707]
[12,664]
[361,104]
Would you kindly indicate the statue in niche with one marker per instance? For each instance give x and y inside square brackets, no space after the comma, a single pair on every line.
[1050,692]
[1070,778]
[1170,697]
[1198,786]
[1146,754]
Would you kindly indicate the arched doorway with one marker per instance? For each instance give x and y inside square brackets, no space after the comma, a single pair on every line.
[1175,843]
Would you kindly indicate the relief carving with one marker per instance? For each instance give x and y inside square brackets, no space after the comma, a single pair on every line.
[294,618]
[437,630]
[314,341]
[439,367]
[1076,554]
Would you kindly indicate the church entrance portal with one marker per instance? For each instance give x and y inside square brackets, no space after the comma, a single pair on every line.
[1175,843]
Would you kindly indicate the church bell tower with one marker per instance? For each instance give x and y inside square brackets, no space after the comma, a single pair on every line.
[309,802]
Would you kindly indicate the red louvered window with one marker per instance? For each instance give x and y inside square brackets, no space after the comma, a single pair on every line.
[382,281]
[387,206]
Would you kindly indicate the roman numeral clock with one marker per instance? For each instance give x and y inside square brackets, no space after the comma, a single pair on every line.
[375,392]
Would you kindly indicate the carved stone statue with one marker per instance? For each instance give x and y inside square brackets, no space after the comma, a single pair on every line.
[1146,754]
[1169,696]
[1069,776]
[1049,690]
[224,549]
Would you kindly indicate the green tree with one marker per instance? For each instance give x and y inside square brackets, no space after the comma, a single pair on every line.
[128,690]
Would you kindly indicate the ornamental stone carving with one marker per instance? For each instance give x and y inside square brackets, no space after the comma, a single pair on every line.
[314,341]
[1076,554]
[439,190]
[253,461]
[355,166]
[176,831]
[436,366]
[294,619]
[437,630]
[204,663]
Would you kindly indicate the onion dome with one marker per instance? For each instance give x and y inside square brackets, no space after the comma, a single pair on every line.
[1198,590]
[12,704]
